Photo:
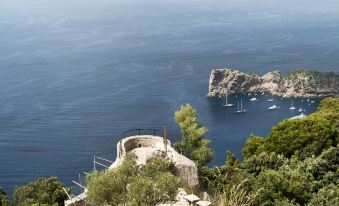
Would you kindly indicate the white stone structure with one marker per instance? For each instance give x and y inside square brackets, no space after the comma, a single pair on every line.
[147,146]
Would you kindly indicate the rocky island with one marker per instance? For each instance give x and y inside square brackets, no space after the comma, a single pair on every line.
[299,83]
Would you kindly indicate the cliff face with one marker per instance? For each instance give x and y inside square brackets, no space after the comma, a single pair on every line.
[300,83]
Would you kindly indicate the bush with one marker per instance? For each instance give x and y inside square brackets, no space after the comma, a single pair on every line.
[42,191]
[327,196]
[282,186]
[3,198]
[252,145]
[111,186]
[257,163]
[129,184]
[295,136]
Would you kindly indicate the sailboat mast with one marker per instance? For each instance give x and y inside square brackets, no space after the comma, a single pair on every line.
[241,104]
[226,97]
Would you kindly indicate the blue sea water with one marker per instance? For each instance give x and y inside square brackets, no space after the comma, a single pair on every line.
[75,74]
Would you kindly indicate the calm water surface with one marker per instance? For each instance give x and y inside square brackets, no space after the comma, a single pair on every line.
[76,74]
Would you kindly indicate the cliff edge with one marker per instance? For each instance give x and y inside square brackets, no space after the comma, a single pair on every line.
[299,83]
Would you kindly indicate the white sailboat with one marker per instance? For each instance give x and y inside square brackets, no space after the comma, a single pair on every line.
[240,109]
[292,107]
[226,101]
[300,110]
[273,107]
[270,100]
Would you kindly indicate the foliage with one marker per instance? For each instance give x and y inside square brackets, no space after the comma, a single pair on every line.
[219,180]
[297,164]
[42,191]
[193,144]
[327,196]
[132,185]
[154,184]
[283,185]
[231,160]
[110,187]
[300,137]
[239,196]
[252,145]
[296,136]
[257,163]
[3,198]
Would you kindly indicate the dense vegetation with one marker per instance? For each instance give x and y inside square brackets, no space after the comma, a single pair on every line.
[296,164]
[3,198]
[131,185]
[44,191]
[312,74]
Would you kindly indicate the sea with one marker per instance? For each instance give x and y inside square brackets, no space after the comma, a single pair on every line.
[75,74]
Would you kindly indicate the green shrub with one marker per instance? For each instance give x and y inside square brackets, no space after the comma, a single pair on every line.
[129,184]
[3,198]
[42,191]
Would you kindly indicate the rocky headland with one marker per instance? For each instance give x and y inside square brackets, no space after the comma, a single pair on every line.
[299,83]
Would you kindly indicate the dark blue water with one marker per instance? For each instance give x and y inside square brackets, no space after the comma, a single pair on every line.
[76,74]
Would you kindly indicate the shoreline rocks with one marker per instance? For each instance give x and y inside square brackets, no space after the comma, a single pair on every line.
[299,83]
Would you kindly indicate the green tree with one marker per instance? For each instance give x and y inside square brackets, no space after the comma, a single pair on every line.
[257,163]
[327,196]
[42,191]
[252,145]
[129,184]
[283,186]
[231,160]
[193,144]
[111,186]
[303,137]
[4,201]
[154,184]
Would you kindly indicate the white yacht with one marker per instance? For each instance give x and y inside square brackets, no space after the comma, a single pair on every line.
[240,109]
[226,102]
[300,110]
[253,99]
[270,100]
[273,107]
[292,107]
[302,115]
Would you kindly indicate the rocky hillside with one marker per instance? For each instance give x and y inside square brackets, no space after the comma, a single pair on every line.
[299,83]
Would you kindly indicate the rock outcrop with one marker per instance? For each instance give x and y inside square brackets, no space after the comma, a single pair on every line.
[300,83]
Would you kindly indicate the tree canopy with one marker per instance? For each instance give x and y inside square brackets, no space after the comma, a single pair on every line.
[43,191]
[301,137]
[3,198]
[297,164]
[193,144]
[130,184]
